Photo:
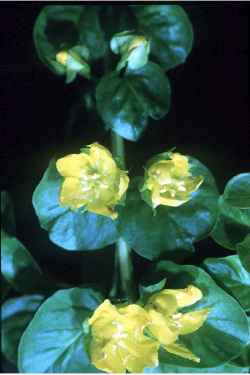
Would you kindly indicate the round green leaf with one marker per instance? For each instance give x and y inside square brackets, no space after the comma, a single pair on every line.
[18,266]
[169,30]
[233,223]
[237,191]
[54,340]
[16,313]
[243,249]
[224,334]
[61,27]
[231,276]
[56,28]
[71,230]
[171,228]
[125,103]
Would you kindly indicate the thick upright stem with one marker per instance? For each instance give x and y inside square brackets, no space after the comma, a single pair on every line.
[123,272]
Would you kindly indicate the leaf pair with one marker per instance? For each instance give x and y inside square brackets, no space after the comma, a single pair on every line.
[149,235]
[54,341]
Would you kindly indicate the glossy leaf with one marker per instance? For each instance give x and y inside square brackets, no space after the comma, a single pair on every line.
[5,288]
[54,340]
[233,222]
[224,334]
[231,276]
[171,228]
[18,266]
[71,230]
[243,249]
[169,31]
[126,103]
[61,27]
[226,368]
[237,191]
[16,313]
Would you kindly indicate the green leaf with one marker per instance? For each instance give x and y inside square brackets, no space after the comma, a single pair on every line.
[7,213]
[233,223]
[16,313]
[172,228]
[169,31]
[18,267]
[231,276]
[225,368]
[224,334]
[243,249]
[56,29]
[71,230]
[126,103]
[61,27]
[54,340]
[5,288]
[91,33]
[237,191]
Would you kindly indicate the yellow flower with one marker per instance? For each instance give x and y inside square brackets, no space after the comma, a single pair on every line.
[118,343]
[92,180]
[169,182]
[167,323]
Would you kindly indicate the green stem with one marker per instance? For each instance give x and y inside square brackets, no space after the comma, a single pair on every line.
[123,272]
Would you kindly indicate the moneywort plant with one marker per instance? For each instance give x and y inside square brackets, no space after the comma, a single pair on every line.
[178,317]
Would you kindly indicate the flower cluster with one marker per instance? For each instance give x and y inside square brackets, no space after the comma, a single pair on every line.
[92,180]
[127,338]
[169,181]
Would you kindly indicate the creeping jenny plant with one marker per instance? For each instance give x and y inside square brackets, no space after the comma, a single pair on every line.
[90,200]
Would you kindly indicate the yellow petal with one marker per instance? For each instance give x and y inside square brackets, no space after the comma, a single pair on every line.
[193,183]
[101,209]
[135,318]
[101,158]
[160,328]
[181,351]
[184,297]
[74,165]
[192,321]
[71,194]
[147,356]
[123,185]
[161,171]
[163,302]
[106,357]
[181,166]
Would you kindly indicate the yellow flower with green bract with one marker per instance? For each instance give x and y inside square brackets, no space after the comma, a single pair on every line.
[92,180]
[169,181]
[128,338]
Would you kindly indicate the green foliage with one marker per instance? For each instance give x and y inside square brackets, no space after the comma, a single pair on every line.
[224,334]
[126,103]
[243,249]
[71,230]
[16,313]
[54,340]
[171,228]
[17,265]
[169,31]
[231,276]
[64,27]
[233,223]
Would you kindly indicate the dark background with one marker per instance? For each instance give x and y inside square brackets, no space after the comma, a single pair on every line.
[209,119]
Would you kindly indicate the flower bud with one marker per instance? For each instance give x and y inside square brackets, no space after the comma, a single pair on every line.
[92,180]
[75,61]
[134,49]
[168,181]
